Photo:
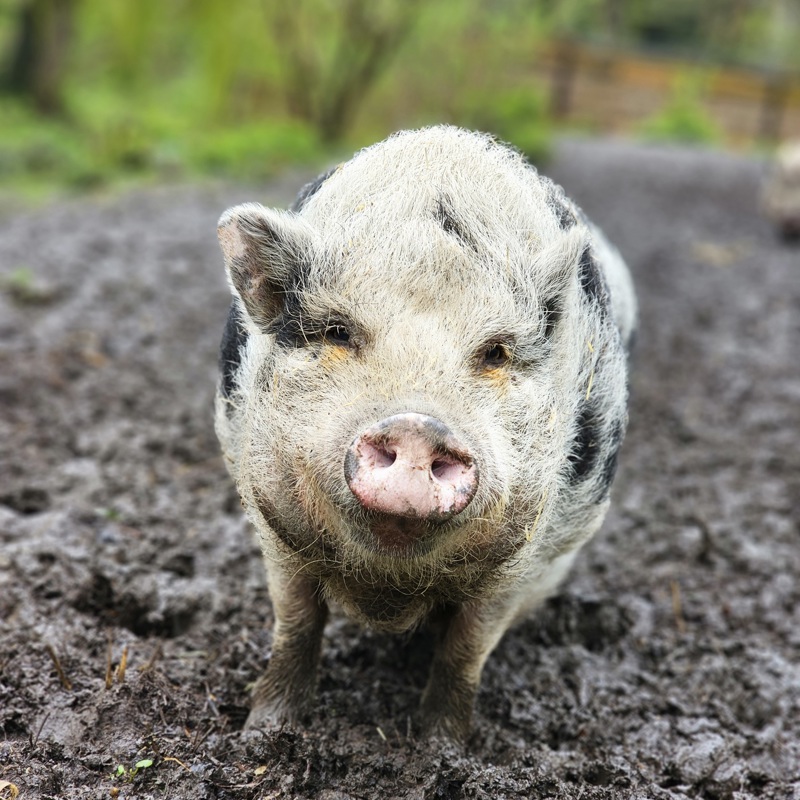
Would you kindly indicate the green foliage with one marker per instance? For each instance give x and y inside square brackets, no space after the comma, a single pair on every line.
[683,118]
[105,141]
[255,150]
[128,774]
[170,88]
[165,88]
[469,64]
[33,148]
[517,116]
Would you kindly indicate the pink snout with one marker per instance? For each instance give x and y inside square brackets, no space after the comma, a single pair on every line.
[411,465]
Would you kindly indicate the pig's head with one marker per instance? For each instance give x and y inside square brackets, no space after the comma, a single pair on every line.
[419,340]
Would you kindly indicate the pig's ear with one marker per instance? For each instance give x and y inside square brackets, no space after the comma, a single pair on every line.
[557,266]
[558,263]
[264,249]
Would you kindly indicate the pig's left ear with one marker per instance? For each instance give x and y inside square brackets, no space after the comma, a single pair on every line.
[263,249]
[558,264]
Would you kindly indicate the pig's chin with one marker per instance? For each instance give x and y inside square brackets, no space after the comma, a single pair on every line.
[402,537]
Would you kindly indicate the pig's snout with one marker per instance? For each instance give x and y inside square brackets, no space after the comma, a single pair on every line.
[411,465]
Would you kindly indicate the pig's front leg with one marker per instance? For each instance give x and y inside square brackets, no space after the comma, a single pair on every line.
[469,634]
[285,691]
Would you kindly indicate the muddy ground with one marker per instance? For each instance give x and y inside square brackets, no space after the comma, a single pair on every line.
[668,667]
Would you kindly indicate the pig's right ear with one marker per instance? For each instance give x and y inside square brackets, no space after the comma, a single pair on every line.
[264,249]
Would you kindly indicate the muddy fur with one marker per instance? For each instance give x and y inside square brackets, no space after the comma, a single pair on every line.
[381,294]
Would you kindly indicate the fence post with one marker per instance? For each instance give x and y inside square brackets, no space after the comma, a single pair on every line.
[776,88]
[565,66]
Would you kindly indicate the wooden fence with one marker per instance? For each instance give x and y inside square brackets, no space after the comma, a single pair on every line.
[615,91]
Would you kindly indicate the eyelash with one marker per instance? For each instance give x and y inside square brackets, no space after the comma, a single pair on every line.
[338,335]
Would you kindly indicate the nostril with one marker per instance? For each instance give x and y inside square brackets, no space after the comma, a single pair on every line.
[378,456]
[449,469]
[385,457]
[440,467]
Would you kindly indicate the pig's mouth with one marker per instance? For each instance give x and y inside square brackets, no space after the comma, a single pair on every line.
[402,536]
[398,535]
[407,537]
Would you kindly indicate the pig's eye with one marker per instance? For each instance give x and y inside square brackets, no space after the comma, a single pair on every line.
[338,335]
[497,354]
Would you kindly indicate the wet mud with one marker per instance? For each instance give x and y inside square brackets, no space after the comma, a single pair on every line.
[133,607]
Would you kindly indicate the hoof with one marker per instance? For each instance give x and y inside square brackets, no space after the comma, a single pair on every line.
[267,719]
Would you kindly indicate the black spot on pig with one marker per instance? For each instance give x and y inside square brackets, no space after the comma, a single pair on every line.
[608,470]
[551,313]
[606,476]
[564,214]
[296,326]
[447,218]
[290,327]
[585,448]
[594,451]
[234,339]
[309,190]
[591,279]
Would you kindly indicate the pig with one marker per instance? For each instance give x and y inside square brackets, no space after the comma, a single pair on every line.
[423,391]
[781,193]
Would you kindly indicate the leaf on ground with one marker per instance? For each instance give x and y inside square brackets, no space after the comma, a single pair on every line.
[12,792]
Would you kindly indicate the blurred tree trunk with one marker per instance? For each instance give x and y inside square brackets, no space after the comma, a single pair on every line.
[362,55]
[615,18]
[325,87]
[37,65]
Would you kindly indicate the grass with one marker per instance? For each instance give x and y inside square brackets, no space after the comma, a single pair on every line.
[102,144]
[684,117]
